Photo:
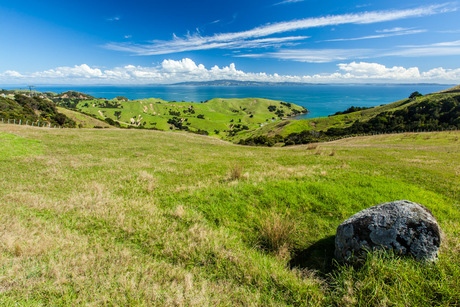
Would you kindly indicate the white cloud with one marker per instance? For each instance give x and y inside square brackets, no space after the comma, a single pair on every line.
[248,38]
[387,34]
[78,71]
[171,71]
[437,49]
[451,48]
[423,52]
[364,70]
[196,42]
[11,73]
[442,74]
[288,1]
[396,29]
[183,66]
[441,44]
[449,31]
[311,55]
[115,18]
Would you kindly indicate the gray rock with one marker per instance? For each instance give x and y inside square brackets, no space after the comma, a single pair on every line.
[405,227]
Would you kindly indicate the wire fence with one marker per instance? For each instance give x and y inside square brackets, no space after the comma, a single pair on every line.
[30,123]
[392,132]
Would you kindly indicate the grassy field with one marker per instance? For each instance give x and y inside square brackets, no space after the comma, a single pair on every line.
[133,217]
[83,120]
[217,115]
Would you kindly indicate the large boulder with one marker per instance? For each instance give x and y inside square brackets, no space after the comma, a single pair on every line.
[405,227]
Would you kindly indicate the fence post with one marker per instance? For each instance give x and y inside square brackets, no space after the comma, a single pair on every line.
[49,125]
[2,120]
[14,121]
[20,121]
[32,124]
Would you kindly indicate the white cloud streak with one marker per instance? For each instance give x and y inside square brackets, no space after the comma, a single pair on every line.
[116,18]
[397,29]
[288,1]
[387,34]
[311,55]
[333,55]
[171,71]
[243,39]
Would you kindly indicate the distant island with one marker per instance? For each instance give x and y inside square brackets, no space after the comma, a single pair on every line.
[257,83]
[239,83]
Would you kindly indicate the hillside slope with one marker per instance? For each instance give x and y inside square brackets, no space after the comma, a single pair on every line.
[132,217]
[436,111]
[33,109]
[83,120]
[222,117]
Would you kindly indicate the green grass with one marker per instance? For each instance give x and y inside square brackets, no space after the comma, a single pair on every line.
[219,114]
[84,120]
[124,217]
[15,146]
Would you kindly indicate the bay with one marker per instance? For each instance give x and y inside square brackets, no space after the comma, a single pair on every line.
[320,100]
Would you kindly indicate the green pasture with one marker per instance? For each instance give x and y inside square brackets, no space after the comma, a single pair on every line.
[219,114]
[137,217]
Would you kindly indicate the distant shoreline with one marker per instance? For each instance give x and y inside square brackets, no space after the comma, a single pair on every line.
[222,83]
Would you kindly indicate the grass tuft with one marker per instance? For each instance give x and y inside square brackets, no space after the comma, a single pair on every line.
[236,172]
[277,233]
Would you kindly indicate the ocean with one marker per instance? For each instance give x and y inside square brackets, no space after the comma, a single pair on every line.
[320,100]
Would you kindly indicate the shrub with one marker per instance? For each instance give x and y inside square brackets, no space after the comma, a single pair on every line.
[415,95]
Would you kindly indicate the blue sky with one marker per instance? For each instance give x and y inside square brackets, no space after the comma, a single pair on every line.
[155,42]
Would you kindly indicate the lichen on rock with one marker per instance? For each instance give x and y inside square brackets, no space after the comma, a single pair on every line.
[405,227]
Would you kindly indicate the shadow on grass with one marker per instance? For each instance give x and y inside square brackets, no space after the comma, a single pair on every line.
[318,256]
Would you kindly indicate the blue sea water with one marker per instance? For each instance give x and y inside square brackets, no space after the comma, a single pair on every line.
[320,100]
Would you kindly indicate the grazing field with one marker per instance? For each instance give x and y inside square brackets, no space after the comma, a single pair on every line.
[217,116]
[83,120]
[135,217]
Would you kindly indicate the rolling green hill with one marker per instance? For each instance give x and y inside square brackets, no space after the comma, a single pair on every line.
[222,117]
[438,111]
[151,218]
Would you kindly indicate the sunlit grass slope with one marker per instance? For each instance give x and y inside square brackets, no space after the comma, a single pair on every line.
[83,120]
[285,128]
[132,217]
[214,116]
